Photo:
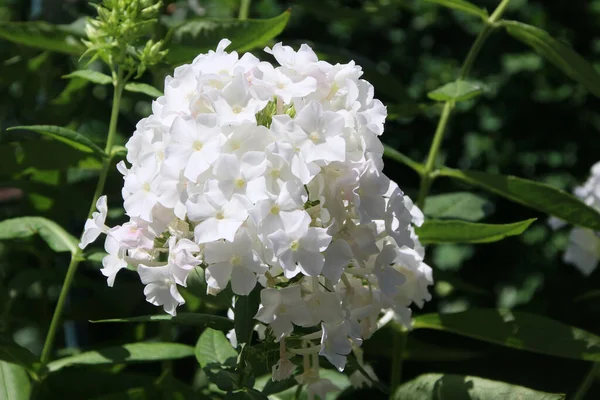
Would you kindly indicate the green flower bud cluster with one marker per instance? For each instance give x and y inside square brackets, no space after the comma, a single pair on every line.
[118,35]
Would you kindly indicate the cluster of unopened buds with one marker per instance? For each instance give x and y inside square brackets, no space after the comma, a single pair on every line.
[271,176]
[583,250]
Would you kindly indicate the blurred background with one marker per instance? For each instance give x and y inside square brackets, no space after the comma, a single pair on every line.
[531,122]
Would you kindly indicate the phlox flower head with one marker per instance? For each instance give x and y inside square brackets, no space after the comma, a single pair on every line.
[270,178]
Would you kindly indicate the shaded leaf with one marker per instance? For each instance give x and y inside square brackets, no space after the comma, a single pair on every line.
[196,36]
[519,330]
[41,154]
[90,75]
[213,347]
[202,320]
[68,136]
[536,195]
[144,88]
[451,387]
[557,52]
[460,205]
[53,234]
[463,6]
[14,382]
[245,310]
[456,231]
[246,394]
[13,353]
[43,35]
[460,90]
[126,354]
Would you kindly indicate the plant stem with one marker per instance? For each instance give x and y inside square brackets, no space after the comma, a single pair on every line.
[76,257]
[587,382]
[244,9]
[427,175]
[399,346]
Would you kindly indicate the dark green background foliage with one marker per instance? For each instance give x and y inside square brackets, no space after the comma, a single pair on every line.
[532,121]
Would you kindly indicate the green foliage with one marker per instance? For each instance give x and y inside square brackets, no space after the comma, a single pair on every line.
[24,227]
[456,91]
[144,88]
[192,37]
[558,53]
[460,205]
[43,35]
[14,382]
[200,320]
[125,354]
[518,330]
[532,194]
[68,136]
[455,231]
[450,387]
[463,6]
[213,347]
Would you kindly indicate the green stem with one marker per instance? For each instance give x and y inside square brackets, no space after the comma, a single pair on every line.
[427,174]
[398,357]
[587,382]
[76,257]
[244,9]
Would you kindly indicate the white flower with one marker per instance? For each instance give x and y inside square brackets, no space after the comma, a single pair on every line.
[95,225]
[272,175]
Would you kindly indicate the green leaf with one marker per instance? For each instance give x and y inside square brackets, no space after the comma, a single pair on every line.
[126,354]
[557,52]
[144,88]
[200,320]
[42,154]
[456,91]
[246,394]
[460,205]
[43,35]
[451,387]
[245,310]
[463,6]
[14,382]
[90,75]
[456,231]
[68,136]
[519,330]
[13,353]
[213,347]
[196,36]
[52,233]
[403,159]
[536,195]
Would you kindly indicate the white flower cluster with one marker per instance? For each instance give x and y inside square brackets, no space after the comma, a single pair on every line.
[584,244]
[270,175]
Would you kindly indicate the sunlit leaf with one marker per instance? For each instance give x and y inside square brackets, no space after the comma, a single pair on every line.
[126,354]
[460,205]
[536,195]
[53,234]
[144,88]
[43,35]
[460,90]
[456,231]
[557,52]
[213,347]
[201,320]
[196,36]
[91,76]
[14,382]
[451,387]
[463,6]
[519,330]
[68,136]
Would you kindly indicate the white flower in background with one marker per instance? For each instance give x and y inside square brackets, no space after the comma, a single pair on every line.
[584,244]
[271,177]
